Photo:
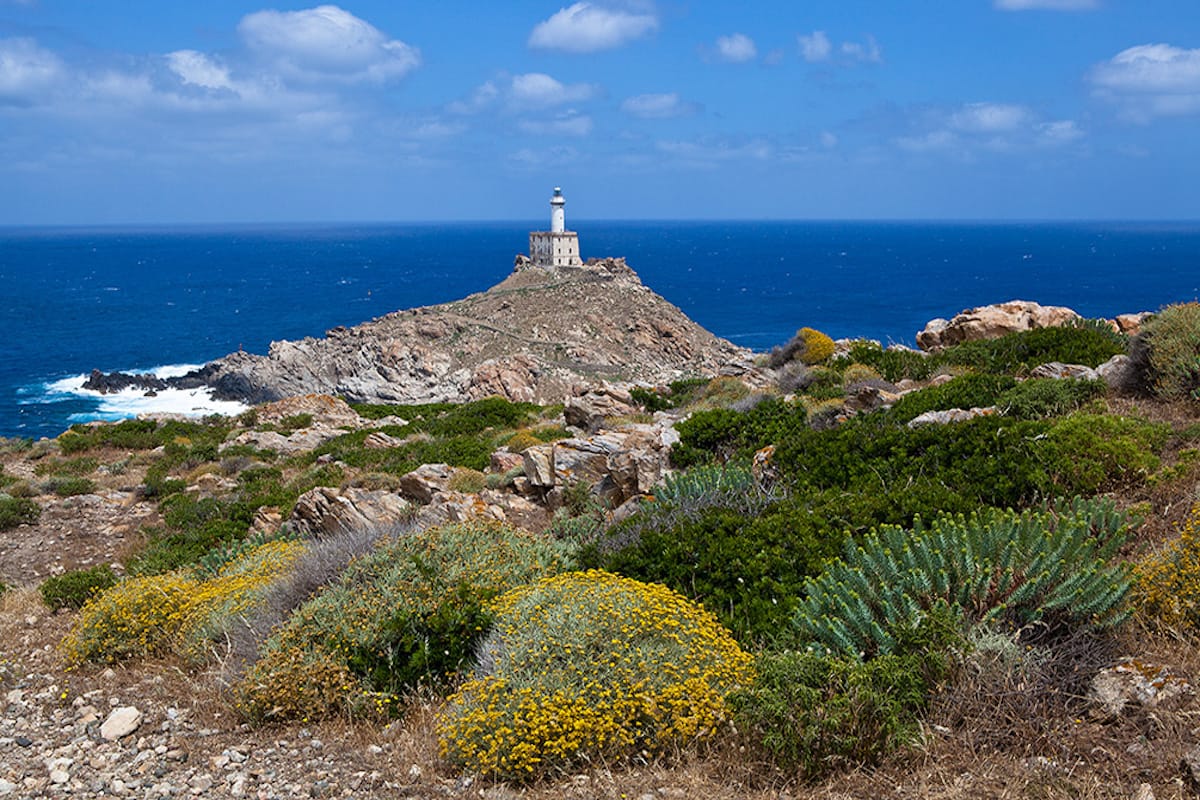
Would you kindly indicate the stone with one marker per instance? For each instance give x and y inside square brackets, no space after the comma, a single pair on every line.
[1061,371]
[503,461]
[950,415]
[539,465]
[1115,371]
[1135,682]
[579,460]
[324,409]
[425,481]
[326,511]
[378,440]
[589,410]
[121,721]
[992,322]
[1131,324]
[1144,792]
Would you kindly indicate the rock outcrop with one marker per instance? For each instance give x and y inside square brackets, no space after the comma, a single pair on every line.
[991,322]
[532,337]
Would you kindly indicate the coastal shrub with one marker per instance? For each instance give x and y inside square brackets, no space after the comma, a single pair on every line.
[16,511]
[1052,566]
[83,465]
[808,346]
[965,391]
[133,434]
[816,713]
[174,611]
[467,450]
[6,479]
[15,444]
[73,589]
[456,419]
[986,461]
[1171,343]
[1087,342]
[1168,582]
[68,485]
[1037,398]
[470,481]
[894,364]
[410,612]
[590,667]
[719,434]
[855,373]
[1089,453]
[521,441]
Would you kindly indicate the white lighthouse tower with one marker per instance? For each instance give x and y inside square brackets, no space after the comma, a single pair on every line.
[557,247]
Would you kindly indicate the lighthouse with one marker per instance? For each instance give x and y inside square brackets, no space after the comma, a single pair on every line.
[557,247]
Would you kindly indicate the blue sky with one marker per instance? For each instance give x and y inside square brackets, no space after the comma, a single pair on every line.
[143,111]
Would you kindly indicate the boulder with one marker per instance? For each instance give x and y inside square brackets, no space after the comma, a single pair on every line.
[589,410]
[1131,324]
[425,481]
[539,465]
[1116,371]
[1061,371]
[325,511]
[992,322]
[503,461]
[578,460]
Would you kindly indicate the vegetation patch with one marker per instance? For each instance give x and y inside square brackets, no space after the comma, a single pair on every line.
[1168,582]
[587,667]
[410,612]
[16,511]
[73,589]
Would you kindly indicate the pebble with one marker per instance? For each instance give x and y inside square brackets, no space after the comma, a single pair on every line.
[121,722]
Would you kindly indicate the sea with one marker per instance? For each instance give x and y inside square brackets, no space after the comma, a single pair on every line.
[165,299]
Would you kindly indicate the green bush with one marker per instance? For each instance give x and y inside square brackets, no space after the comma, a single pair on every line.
[965,391]
[1090,453]
[409,613]
[816,713]
[1051,566]
[588,667]
[1087,342]
[746,559]
[717,435]
[894,364]
[16,511]
[1172,339]
[133,434]
[1038,398]
[68,485]
[73,589]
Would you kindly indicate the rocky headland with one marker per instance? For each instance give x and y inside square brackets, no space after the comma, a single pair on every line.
[534,337]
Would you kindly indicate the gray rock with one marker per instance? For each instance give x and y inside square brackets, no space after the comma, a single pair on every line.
[121,721]
[539,465]
[1115,371]
[950,415]
[1061,371]
[325,511]
[425,481]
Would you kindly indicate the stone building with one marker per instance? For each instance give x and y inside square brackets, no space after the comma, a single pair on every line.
[557,247]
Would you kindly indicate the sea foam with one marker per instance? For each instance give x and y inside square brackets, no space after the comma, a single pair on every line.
[132,402]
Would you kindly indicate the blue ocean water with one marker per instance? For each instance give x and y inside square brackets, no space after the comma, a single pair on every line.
[74,299]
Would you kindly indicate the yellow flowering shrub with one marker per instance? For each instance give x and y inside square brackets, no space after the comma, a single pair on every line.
[172,611]
[411,611]
[590,665]
[1168,583]
[818,347]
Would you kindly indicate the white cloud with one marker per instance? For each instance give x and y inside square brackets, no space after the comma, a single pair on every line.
[569,123]
[989,117]
[482,97]
[815,46]
[711,152]
[929,142]
[658,106]
[27,71]
[587,28]
[736,48]
[1151,80]
[868,52]
[1052,5]
[828,140]
[539,90]
[326,42]
[199,69]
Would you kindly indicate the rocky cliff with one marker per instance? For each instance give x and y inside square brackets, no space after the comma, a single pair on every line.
[532,337]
